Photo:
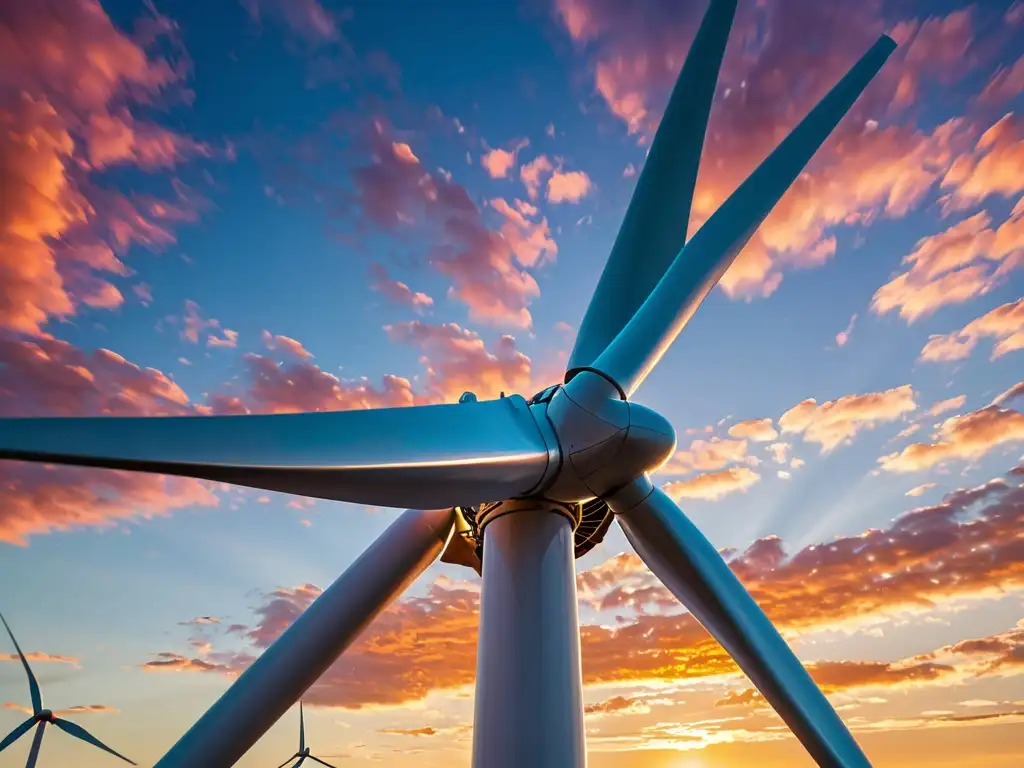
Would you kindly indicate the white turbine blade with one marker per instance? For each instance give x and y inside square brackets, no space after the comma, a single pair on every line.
[16,734]
[33,686]
[421,457]
[302,730]
[314,757]
[297,659]
[710,252]
[654,227]
[80,733]
[687,563]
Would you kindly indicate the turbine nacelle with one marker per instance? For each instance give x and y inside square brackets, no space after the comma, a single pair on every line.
[604,441]
[45,715]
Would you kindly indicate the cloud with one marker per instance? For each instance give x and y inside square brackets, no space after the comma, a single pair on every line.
[712,486]
[996,167]
[173,662]
[306,18]
[457,360]
[530,241]
[302,386]
[40,657]
[705,455]
[965,261]
[200,621]
[285,344]
[533,173]
[568,186]
[1004,324]
[396,192]
[758,430]
[398,292]
[950,404]
[1017,390]
[844,335]
[62,118]
[920,490]
[963,547]
[498,162]
[864,171]
[961,438]
[836,422]
[193,324]
[617,705]
[228,341]
[425,731]
[836,676]
[51,377]
[1005,84]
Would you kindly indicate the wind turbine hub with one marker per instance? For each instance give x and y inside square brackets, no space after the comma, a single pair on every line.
[604,441]
[45,715]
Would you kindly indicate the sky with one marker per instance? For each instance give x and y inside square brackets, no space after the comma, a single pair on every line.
[267,206]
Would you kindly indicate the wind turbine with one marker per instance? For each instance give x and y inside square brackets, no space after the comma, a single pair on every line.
[529,483]
[303,752]
[42,717]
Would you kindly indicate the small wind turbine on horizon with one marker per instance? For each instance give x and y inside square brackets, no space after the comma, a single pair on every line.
[303,752]
[41,717]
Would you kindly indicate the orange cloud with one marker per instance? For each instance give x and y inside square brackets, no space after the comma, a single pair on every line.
[172,662]
[961,438]
[568,186]
[758,430]
[996,167]
[835,422]
[712,486]
[1004,324]
[705,455]
[950,404]
[428,643]
[58,233]
[963,262]
[398,292]
[40,657]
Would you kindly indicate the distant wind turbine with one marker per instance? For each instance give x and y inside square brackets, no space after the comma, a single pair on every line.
[303,752]
[41,717]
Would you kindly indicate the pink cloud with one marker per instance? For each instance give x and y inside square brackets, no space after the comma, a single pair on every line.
[482,264]
[498,162]
[286,344]
[397,291]
[568,186]
[776,67]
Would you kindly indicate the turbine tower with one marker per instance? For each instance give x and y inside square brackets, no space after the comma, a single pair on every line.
[527,485]
[303,752]
[42,717]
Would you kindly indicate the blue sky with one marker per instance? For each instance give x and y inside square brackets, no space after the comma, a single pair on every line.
[289,152]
